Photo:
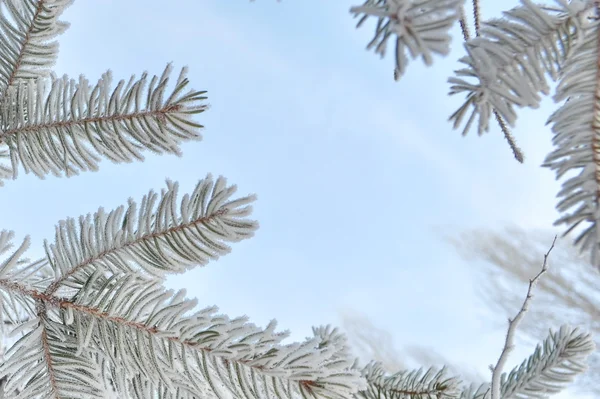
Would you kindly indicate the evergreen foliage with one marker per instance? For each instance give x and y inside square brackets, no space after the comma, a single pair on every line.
[94,316]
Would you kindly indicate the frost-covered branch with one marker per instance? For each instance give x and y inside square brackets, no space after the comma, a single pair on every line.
[420,27]
[160,236]
[93,315]
[508,257]
[553,365]
[413,384]
[510,59]
[28,28]
[576,140]
[70,127]
[512,328]
[106,309]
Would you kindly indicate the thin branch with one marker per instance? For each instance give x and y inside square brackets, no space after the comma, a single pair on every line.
[476,16]
[463,24]
[512,326]
[518,154]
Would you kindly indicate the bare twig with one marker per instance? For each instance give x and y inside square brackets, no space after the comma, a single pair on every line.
[511,256]
[512,326]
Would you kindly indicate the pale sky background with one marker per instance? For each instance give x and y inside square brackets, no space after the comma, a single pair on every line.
[354,172]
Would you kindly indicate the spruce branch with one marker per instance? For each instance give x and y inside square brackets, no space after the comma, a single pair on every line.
[129,322]
[518,154]
[576,131]
[28,28]
[474,391]
[71,126]
[158,237]
[553,365]
[415,384]
[98,316]
[419,26]
[510,59]
[94,314]
[412,22]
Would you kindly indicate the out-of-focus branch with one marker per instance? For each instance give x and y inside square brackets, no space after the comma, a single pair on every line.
[512,328]
[370,342]
[504,260]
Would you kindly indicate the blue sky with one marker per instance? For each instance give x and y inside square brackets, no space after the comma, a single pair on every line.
[354,173]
